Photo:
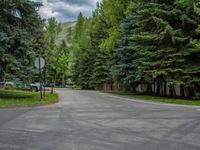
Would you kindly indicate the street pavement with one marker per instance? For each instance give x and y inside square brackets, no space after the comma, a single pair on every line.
[89,120]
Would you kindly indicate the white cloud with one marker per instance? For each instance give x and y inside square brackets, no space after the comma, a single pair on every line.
[46,12]
[66,10]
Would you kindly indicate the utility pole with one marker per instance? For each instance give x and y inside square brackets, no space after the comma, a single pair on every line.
[40,74]
[44,81]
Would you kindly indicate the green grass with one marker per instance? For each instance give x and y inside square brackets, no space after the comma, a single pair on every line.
[25,99]
[157,99]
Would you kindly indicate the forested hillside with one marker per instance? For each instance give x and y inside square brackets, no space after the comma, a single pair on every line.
[64,31]
[130,43]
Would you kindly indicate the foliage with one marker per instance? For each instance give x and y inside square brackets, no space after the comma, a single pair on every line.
[93,41]
[66,29]
[161,34]
[123,56]
[84,55]
[125,43]
[9,87]
[19,38]
[56,55]
[138,42]
[26,36]
[112,17]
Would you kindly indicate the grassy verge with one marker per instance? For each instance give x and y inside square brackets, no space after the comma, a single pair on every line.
[20,98]
[157,99]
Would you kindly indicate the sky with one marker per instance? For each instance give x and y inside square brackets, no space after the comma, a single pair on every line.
[66,10]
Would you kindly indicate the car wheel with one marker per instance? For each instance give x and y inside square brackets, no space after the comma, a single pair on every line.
[34,89]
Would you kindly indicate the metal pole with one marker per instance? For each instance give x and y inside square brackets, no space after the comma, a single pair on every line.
[44,81]
[40,72]
[51,89]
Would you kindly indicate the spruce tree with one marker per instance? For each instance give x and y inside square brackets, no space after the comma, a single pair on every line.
[122,61]
[101,75]
[192,71]
[83,55]
[19,40]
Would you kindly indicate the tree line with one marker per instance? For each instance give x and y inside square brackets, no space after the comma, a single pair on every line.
[127,43]
[153,44]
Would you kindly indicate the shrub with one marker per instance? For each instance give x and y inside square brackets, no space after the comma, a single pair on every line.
[8,94]
[9,88]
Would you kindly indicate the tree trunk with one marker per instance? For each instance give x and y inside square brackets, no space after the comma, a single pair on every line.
[154,87]
[149,89]
[174,91]
[191,92]
[165,88]
[182,90]
[171,91]
[63,81]
[161,86]
[158,87]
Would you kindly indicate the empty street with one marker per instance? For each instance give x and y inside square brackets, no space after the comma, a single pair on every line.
[89,120]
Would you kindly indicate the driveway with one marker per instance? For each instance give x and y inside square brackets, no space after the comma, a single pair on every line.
[89,120]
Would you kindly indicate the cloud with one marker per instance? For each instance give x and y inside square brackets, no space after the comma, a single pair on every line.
[66,10]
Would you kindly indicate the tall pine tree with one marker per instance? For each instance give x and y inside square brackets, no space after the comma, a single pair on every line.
[19,39]
[123,58]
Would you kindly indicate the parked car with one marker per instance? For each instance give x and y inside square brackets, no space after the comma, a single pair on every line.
[2,84]
[12,84]
[8,85]
[35,87]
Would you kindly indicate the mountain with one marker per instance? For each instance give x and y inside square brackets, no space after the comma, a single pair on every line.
[62,35]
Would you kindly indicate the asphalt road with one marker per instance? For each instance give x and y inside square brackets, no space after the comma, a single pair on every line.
[88,120]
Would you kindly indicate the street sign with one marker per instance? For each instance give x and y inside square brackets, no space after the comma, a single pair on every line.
[39,63]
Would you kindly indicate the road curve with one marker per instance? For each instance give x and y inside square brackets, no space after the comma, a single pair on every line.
[89,120]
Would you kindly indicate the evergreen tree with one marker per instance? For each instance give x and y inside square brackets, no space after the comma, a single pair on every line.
[100,74]
[192,69]
[19,39]
[104,35]
[82,55]
[123,67]
[101,71]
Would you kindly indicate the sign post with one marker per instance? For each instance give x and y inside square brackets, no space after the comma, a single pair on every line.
[39,64]
[44,81]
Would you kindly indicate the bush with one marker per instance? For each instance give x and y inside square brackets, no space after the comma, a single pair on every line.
[9,88]
[15,94]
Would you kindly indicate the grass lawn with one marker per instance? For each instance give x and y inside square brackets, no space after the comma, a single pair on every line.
[21,98]
[157,99]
